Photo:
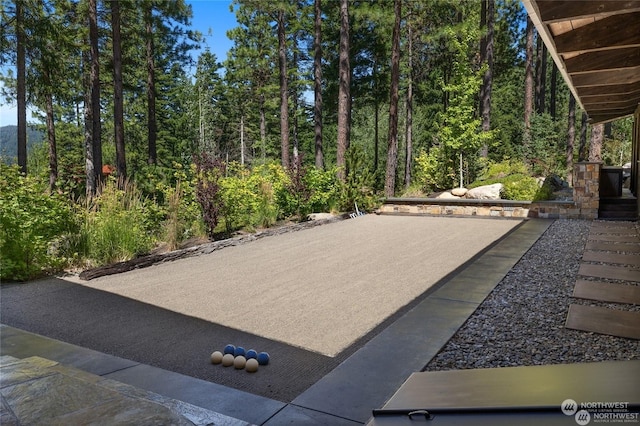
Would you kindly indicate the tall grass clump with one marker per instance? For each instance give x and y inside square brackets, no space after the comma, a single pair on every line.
[34,227]
[116,225]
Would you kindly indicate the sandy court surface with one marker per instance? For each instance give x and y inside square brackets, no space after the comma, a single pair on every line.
[321,288]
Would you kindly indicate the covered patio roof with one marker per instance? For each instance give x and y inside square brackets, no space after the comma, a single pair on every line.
[596,46]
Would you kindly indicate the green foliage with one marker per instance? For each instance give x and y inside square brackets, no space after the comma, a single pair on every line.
[503,169]
[546,147]
[179,211]
[210,171]
[359,183]
[433,170]
[515,178]
[116,225]
[33,227]
[323,187]
[545,192]
[255,197]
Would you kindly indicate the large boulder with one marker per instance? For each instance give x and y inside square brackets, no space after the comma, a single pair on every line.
[446,195]
[486,192]
[320,216]
[459,192]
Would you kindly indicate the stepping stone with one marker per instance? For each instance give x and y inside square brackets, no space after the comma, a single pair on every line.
[612,231]
[623,247]
[622,259]
[610,272]
[604,321]
[607,292]
[612,225]
[615,238]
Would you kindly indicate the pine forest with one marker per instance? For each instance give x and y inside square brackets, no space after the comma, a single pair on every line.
[320,106]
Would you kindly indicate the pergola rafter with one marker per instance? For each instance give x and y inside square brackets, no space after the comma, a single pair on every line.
[596,45]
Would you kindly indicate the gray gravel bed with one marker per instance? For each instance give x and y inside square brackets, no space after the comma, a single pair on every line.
[522,321]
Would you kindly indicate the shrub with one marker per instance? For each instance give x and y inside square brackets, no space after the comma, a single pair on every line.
[33,227]
[209,171]
[359,182]
[179,211]
[433,171]
[116,225]
[323,190]
[518,185]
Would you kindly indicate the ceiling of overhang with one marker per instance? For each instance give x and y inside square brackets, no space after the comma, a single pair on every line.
[596,45]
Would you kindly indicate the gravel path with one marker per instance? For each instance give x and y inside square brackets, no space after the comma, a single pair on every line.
[522,321]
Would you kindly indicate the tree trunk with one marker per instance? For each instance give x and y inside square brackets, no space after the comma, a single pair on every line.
[242,147]
[152,128]
[51,130]
[554,91]
[296,142]
[284,91]
[344,91]
[392,144]
[409,111]
[21,70]
[528,82]
[376,134]
[582,151]
[263,129]
[118,106]
[92,136]
[595,145]
[541,76]
[571,138]
[486,52]
[317,83]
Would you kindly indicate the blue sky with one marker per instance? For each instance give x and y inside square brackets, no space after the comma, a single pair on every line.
[211,17]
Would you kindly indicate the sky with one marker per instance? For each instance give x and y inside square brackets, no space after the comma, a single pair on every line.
[211,17]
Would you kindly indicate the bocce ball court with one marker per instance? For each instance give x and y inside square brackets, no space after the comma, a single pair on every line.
[347,311]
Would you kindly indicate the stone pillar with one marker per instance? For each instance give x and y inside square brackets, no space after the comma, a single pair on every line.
[586,188]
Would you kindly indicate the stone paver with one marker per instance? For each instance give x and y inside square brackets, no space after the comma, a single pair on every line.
[38,391]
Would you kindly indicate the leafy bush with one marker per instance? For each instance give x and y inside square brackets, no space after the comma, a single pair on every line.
[433,170]
[116,226]
[518,185]
[209,172]
[33,227]
[178,211]
[323,190]
[504,168]
[359,182]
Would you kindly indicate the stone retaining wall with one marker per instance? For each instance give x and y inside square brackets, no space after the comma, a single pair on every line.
[585,203]
[489,208]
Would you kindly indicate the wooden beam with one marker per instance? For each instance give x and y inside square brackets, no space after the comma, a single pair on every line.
[607,98]
[610,113]
[605,118]
[607,78]
[608,33]
[623,103]
[608,90]
[555,10]
[604,60]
